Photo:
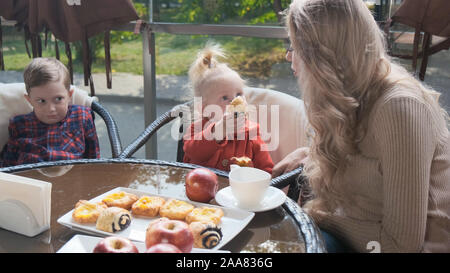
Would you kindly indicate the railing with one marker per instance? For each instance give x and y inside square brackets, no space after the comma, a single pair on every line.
[276,32]
[148,40]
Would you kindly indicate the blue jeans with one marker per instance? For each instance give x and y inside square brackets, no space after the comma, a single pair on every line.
[334,245]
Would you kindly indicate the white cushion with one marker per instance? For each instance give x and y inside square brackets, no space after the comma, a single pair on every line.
[292,121]
[13,103]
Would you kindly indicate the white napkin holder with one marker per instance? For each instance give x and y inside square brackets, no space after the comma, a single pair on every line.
[25,204]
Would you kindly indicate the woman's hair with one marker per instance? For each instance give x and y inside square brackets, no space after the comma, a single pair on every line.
[343,70]
[206,68]
[41,71]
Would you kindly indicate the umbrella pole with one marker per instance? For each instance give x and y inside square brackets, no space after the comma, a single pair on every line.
[2,61]
[69,58]
[87,61]
[107,46]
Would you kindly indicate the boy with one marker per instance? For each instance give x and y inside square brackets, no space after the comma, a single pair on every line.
[54,130]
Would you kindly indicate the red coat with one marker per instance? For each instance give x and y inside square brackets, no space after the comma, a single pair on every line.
[200,148]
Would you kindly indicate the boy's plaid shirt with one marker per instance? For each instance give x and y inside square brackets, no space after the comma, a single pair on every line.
[32,141]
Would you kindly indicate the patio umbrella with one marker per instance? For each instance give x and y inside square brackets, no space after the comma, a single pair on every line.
[429,16]
[432,16]
[70,21]
[16,10]
[77,20]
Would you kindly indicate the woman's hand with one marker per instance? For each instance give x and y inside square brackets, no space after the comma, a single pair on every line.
[291,162]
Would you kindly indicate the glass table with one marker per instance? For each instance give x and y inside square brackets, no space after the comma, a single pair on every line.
[283,229]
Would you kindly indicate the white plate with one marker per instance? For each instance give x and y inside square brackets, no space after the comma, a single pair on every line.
[233,221]
[86,244]
[273,198]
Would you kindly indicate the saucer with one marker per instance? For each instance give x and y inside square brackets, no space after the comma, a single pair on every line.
[273,198]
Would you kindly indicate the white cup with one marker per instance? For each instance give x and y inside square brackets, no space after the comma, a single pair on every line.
[248,185]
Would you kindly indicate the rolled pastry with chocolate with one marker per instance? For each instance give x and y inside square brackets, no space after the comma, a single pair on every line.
[113,219]
[206,235]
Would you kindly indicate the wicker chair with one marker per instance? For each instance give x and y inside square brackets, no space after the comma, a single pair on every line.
[13,103]
[293,179]
[111,126]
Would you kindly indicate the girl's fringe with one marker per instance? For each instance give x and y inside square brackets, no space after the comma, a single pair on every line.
[206,59]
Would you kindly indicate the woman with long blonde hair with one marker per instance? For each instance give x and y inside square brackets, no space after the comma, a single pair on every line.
[379,161]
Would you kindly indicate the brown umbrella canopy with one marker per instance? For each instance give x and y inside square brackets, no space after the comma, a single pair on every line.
[432,17]
[73,20]
[16,10]
[70,21]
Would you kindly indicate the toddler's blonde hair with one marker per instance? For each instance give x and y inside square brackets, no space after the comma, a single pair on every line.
[207,68]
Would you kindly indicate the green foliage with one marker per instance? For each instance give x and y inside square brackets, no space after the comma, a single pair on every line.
[252,57]
[264,18]
[220,11]
[141,8]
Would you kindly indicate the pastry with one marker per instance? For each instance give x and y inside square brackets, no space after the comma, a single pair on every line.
[147,206]
[205,235]
[237,105]
[87,212]
[205,215]
[175,209]
[113,219]
[120,199]
[242,161]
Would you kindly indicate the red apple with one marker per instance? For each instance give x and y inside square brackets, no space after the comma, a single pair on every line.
[174,232]
[115,244]
[201,185]
[163,248]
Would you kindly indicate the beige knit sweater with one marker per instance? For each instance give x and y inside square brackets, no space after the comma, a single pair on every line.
[397,190]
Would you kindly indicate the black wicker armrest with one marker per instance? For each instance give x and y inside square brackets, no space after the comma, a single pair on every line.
[314,242]
[162,120]
[113,130]
[293,179]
